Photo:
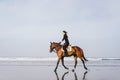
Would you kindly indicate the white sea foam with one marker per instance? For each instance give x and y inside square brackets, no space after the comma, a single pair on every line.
[27,59]
[51,59]
[94,59]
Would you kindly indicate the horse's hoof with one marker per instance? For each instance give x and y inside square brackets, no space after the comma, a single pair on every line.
[73,70]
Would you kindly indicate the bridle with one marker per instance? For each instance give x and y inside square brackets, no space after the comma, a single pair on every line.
[52,48]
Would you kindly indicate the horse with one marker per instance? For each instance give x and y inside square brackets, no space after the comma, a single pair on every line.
[76,51]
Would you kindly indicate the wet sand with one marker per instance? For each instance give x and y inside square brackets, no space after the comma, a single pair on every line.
[46,72]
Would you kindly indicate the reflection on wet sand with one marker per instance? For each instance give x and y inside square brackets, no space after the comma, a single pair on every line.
[75,75]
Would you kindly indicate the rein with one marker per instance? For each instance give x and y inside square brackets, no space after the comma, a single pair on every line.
[56,48]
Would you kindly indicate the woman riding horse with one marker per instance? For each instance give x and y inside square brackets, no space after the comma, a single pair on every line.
[66,44]
[76,51]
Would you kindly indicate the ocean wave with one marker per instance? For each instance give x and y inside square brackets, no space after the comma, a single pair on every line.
[27,59]
[110,58]
[52,59]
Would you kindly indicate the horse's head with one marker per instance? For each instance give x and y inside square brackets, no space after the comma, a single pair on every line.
[53,45]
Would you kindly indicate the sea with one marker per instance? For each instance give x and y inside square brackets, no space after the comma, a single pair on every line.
[29,68]
[51,61]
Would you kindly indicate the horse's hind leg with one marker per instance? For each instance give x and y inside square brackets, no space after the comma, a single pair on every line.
[83,63]
[63,63]
[84,57]
[75,58]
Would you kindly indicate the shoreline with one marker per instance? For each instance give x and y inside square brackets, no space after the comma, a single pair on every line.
[102,63]
[50,59]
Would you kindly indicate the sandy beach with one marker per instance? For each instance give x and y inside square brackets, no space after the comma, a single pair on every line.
[37,71]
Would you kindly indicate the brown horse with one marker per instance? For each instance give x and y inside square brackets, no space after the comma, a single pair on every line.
[76,51]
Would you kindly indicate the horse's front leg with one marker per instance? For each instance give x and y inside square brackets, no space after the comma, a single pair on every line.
[63,63]
[57,64]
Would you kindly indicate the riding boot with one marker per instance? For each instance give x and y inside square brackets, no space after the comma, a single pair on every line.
[65,53]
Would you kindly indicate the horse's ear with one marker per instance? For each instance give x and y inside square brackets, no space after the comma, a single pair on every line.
[50,42]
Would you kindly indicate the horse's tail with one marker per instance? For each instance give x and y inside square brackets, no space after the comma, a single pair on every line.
[84,57]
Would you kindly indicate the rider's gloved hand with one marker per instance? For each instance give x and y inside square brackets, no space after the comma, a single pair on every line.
[59,42]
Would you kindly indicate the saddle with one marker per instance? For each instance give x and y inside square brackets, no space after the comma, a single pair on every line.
[69,48]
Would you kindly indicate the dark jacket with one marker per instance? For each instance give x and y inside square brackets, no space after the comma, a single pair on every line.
[65,37]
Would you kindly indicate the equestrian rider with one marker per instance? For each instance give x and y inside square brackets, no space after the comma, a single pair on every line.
[66,44]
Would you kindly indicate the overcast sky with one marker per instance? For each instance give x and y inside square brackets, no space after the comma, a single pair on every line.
[27,26]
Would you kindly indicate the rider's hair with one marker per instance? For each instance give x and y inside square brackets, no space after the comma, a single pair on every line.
[64,31]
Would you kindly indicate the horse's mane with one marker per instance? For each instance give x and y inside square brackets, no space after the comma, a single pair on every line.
[57,43]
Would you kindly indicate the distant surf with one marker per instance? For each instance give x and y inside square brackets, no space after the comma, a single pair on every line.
[51,59]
